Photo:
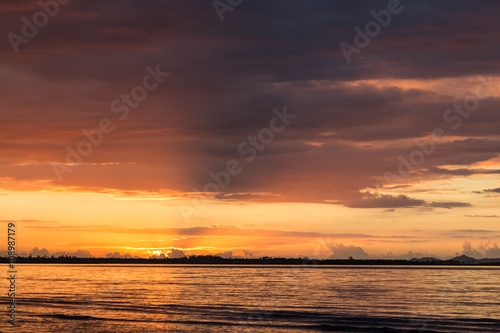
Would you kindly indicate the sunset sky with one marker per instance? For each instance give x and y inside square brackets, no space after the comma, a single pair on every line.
[391,151]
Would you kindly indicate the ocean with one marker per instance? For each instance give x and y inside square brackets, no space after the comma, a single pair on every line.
[211,298]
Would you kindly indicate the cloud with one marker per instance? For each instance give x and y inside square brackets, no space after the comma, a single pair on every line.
[225,254]
[371,200]
[175,253]
[494,190]
[490,250]
[37,252]
[78,253]
[462,172]
[482,216]
[170,253]
[487,249]
[201,120]
[44,252]
[225,231]
[469,251]
[236,254]
[119,255]
[385,201]
[474,230]
[407,256]
[448,205]
[341,251]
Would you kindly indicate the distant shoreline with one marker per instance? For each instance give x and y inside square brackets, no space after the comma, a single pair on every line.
[213,260]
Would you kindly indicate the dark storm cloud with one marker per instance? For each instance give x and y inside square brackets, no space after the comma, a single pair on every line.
[386,201]
[263,38]
[493,190]
[448,205]
[462,172]
[225,79]
[401,201]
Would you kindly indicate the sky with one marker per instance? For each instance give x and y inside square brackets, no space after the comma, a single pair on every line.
[312,128]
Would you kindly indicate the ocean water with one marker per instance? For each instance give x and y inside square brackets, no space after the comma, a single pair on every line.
[189,298]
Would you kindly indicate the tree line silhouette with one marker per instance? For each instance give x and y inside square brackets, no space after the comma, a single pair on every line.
[217,260]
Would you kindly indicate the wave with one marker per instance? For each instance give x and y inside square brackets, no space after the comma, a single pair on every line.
[313,321]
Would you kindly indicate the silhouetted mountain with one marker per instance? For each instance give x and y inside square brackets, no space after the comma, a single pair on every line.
[488,260]
[463,259]
[426,259]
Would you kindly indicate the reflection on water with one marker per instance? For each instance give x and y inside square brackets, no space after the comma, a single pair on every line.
[122,298]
